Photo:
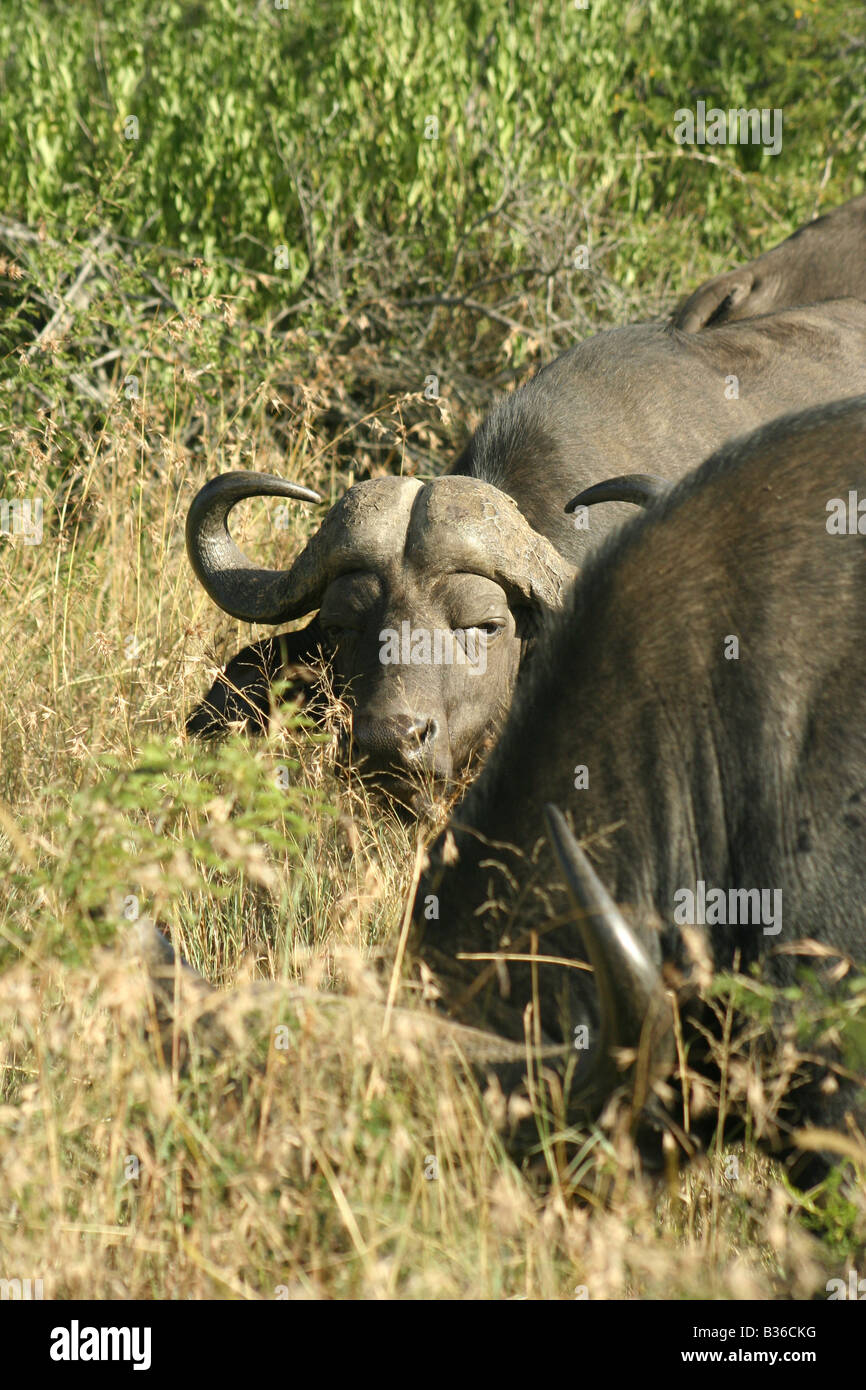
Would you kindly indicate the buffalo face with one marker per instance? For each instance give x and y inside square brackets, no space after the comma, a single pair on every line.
[427,668]
[428,597]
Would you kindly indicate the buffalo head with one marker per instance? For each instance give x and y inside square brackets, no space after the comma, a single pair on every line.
[428,597]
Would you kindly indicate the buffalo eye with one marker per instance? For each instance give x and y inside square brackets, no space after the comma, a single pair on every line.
[491,628]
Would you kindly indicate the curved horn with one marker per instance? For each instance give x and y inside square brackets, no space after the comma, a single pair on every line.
[640,488]
[229,577]
[469,524]
[630,990]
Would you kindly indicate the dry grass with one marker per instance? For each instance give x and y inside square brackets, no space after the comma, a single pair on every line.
[342,1164]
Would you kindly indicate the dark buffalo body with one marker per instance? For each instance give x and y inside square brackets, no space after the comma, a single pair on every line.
[743,771]
[649,398]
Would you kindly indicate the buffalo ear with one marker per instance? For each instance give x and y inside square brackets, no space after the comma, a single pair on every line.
[242,693]
[529,623]
[712,303]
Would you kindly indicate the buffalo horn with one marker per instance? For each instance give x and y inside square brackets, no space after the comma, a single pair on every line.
[633,1007]
[640,488]
[229,577]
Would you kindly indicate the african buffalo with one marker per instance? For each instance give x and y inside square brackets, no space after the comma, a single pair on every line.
[825,259]
[487,551]
[698,709]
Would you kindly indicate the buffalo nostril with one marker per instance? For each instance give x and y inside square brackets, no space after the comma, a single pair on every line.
[419,739]
[395,748]
[396,740]
[422,731]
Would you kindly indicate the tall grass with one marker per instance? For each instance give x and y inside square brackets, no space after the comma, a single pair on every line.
[154,331]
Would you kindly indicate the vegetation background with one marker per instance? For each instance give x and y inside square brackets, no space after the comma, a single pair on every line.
[227,241]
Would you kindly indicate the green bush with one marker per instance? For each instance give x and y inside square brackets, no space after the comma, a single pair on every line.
[304,126]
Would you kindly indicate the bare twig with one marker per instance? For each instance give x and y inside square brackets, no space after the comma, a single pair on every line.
[463,302]
[63,311]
